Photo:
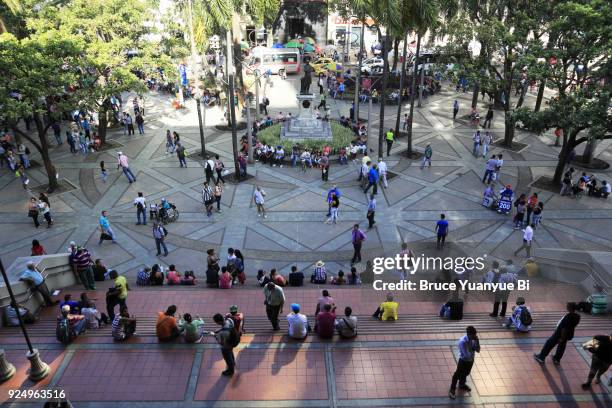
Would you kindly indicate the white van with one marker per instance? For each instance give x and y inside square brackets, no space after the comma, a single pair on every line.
[276,60]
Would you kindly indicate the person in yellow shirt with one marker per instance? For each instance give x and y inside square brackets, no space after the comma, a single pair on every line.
[116,295]
[389,141]
[387,310]
[531,268]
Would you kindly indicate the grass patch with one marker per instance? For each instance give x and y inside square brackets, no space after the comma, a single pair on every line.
[341,137]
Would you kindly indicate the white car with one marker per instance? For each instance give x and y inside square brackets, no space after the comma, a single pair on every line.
[372,65]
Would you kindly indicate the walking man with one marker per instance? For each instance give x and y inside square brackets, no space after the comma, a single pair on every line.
[489,170]
[122,161]
[488,118]
[219,166]
[358,236]
[562,334]
[105,227]
[382,172]
[226,338]
[442,231]
[455,109]
[159,233]
[274,301]
[427,156]
[372,180]
[371,211]
[324,163]
[141,208]
[527,239]
[487,139]
[180,153]
[258,198]
[476,139]
[468,346]
[389,141]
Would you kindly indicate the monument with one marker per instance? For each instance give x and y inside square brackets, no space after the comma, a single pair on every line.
[305,125]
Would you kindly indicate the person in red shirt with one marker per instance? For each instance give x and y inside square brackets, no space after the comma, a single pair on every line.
[237,318]
[277,278]
[326,321]
[37,249]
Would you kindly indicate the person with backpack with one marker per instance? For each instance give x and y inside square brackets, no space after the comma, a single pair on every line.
[601,347]
[209,166]
[141,209]
[521,317]
[69,326]
[427,156]
[219,166]
[159,234]
[228,339]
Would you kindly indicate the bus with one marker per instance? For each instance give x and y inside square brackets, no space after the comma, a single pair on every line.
[276,60]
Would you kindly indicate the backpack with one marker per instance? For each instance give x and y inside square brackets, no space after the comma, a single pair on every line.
[139,205]
[64,332]
[165,231]
[525,317]
[27,150]
[233,339]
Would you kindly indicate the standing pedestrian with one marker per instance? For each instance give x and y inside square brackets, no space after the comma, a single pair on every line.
[105,228]
[129,123]
[601,347]
[389,137]
[537,214]
[103,171]
[258,198]
[219,167]
[57,131]
[169,142]
[227,338]
[333,209]
[405,123]
[487,139]
[209,168]
[498,166]
[159,233]
[532,203]
[455,108]
[382,172]
[442,231]
[25,180]
[527,240]
[141,209]
[117,294]
[322,103]
[218,192]
[476,140]
[521,206]
[45,210]
[208,198]
[324,163]
[357,238]
[82,260]
[33,211]
[488,118]
[180,153]
[321,83]
[122,161]
[140,123]
[274,301]
[563,333]
[371,211]
[468,346]
[427,156]
[505,276]
[333,190]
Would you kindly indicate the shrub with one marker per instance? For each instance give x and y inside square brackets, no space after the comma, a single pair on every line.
[341,137]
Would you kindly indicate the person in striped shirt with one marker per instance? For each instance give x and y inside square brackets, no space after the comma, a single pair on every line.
[124,326]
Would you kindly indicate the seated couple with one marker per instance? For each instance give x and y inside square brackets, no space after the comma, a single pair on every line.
[169,329]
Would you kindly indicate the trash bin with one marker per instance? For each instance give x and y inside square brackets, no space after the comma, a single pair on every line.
[599,303]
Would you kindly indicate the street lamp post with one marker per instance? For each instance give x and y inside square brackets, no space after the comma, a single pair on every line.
[200,123]
[249,127]
[38,369]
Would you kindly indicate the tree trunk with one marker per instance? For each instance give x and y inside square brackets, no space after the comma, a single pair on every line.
[383,97]
[519,103]
[475,94]
[358,78]
[540,95]
[232,105]
[412,95]
[569,139]
[102,123]
[509,123]
[589,150]
[44,152]
[396,42]
[509,129]
[401,87]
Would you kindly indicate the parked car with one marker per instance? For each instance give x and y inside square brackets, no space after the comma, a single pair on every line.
[372,65]
[319,64]
[276,60]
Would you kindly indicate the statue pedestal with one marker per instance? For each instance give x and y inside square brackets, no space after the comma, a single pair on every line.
[306,126]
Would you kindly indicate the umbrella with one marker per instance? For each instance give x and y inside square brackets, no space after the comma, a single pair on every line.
[293,44]
[278,45]
[332,66]
[244,45]
[309,47]
[309,40]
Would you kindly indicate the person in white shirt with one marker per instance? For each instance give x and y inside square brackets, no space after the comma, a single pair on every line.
[306,158]
[487,139]
[521,324]
[279,155]
[298,323]
[476,139]
[382,171]
[527,239]
[258,198]
[498,166]
[141,208]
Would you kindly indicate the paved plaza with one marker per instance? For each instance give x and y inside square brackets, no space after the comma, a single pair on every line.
[406,363]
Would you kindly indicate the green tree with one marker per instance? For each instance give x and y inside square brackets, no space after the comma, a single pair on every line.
[114,33]
[41,78]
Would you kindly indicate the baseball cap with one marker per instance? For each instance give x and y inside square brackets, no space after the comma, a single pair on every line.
[233,309]
[295,307]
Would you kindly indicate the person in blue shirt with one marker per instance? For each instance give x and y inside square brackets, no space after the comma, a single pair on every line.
[442,231]
[37,283]
[105,228]
[72,304]
[468,346]
[333,190]
[372,179]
